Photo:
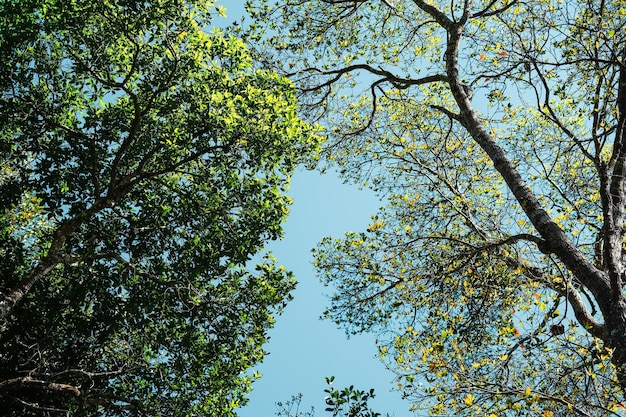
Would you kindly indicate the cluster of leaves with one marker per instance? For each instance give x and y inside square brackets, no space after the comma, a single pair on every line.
[347,402]
[144,165]
[495,132]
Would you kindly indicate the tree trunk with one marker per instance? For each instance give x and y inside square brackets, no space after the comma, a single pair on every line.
[615,303]
[615,321]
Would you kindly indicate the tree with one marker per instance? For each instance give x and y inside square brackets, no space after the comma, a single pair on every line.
[144,167]
[495,131]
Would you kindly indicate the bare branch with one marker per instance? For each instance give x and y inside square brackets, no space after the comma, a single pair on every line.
[397,82]
[485,12]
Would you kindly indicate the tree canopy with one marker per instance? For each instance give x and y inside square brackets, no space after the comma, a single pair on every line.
[495,130]
[144,167]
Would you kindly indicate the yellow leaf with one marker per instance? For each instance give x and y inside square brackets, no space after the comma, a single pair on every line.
[469,399]
[516,11]
[527,392]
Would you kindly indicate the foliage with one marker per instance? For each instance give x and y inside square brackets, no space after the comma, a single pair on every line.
[144,167]
[495,130]
[347,402]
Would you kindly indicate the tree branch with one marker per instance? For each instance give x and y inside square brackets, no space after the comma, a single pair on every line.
[565,289]
[51,259]
[397,82]
[27,382]
[558,242]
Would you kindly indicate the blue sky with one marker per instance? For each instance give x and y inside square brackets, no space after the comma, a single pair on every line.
[303,349]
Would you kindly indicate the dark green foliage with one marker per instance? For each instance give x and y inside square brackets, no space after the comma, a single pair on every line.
[144,167]
[346,402]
